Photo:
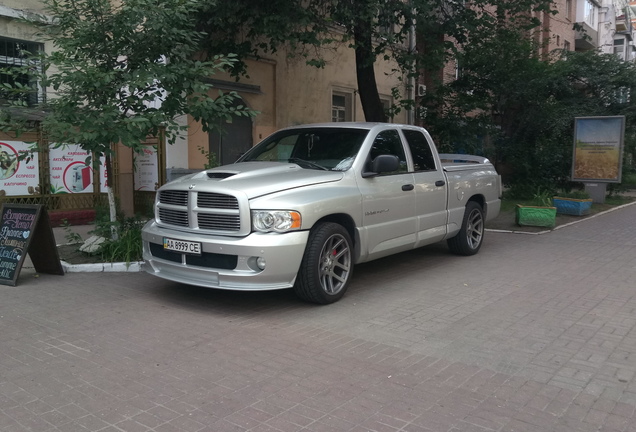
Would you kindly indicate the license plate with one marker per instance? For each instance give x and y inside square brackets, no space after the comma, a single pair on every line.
[182,246]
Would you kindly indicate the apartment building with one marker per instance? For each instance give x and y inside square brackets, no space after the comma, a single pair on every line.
[556,31]
[608,27]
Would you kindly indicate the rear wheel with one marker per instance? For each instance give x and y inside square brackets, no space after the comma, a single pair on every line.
[471,235]
[327,265]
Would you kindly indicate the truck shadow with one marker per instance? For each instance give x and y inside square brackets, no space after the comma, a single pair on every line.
[367,277]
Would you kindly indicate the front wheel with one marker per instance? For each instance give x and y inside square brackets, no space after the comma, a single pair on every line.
[471,235]
[327,265]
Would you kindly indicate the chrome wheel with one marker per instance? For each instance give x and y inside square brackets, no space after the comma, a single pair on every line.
[475,228]
[327,265]
[335,264]
[471,234]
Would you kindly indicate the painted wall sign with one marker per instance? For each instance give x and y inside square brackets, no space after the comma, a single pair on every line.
[598,149]
[19,169]
[20,224]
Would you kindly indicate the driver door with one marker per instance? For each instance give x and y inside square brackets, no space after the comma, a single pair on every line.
[388,201]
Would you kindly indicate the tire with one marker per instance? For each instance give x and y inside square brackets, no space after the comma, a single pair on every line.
[471,235]
[327,265]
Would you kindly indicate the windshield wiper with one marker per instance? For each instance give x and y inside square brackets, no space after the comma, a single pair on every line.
[307,164]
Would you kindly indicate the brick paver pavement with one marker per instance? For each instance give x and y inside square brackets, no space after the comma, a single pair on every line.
[535,333]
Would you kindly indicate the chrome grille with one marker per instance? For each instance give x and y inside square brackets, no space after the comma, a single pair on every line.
[215,200]
[212,211]
[174,217]
[173,197]
[219,222]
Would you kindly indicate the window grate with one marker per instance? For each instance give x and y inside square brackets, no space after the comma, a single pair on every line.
[14,55]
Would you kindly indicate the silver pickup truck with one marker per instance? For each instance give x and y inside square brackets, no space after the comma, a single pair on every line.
[303,206]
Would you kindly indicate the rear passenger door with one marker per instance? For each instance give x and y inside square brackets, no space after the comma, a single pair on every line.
[388,201]
[430,189]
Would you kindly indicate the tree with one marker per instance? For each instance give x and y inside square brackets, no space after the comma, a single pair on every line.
[374,29]
[520,109]
[121,71]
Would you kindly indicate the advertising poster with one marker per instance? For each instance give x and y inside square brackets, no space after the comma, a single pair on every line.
[68,170]
[103,174]
[19,169]
[598,149]
[146,176]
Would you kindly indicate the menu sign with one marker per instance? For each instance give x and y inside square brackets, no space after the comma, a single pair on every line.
[19,225]
[146,176]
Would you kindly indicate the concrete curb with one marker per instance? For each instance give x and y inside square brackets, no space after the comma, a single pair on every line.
[119,267]
[564,225]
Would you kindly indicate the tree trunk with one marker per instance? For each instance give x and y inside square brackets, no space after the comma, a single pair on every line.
[367,86]
[111,199]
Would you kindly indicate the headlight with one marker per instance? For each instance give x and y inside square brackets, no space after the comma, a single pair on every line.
[275,220]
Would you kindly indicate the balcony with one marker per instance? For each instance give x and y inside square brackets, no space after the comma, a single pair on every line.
[623,24]
[586,39]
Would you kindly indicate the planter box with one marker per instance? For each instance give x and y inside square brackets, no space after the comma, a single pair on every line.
[572,206]
[536,216]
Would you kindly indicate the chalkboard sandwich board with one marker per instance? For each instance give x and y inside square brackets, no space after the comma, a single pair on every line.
[25,228]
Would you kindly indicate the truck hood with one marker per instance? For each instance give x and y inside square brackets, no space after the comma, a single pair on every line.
[254,179]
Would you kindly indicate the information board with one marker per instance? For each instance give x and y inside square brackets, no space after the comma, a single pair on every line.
[26,229]
[598,149]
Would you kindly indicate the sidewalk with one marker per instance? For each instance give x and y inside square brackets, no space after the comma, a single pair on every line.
[534,333]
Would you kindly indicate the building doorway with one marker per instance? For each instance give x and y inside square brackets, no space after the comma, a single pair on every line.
[234,140]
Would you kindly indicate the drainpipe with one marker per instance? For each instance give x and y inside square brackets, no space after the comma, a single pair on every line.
[411,80]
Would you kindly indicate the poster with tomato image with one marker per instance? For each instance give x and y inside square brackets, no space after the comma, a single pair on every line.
[69,171]
[19,169]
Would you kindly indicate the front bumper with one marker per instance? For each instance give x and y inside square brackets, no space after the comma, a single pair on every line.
[226,262]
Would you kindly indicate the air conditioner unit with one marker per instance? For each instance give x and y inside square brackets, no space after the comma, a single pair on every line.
[421,90]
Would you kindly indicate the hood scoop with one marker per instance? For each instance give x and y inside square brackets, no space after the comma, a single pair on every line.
[220,175]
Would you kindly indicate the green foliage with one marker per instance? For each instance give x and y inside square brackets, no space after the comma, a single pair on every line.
[576,194]
[126,245]
[210,157]
[70,236]
[114,61]
[543,198]
[519,109]
[375,29]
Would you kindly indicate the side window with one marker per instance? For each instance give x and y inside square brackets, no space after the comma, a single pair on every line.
[420,150]
[388,142]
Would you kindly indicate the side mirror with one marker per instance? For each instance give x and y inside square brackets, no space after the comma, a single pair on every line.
[383,164]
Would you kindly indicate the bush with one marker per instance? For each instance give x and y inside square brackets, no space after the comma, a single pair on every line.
[128,245]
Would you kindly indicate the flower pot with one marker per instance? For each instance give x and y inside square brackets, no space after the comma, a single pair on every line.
[536,216]
[572,206]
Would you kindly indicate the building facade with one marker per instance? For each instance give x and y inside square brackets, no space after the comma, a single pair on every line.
[283,90]
[608,27]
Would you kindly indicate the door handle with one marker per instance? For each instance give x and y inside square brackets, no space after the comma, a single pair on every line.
[408,187]
[440,183]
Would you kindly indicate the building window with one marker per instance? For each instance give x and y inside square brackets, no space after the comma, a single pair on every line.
[568,9]
[14,54]
[589,13]
[341,106]
[619,48]
[386,106]
[567,46]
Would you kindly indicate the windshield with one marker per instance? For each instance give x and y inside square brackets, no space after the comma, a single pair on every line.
[331,149]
